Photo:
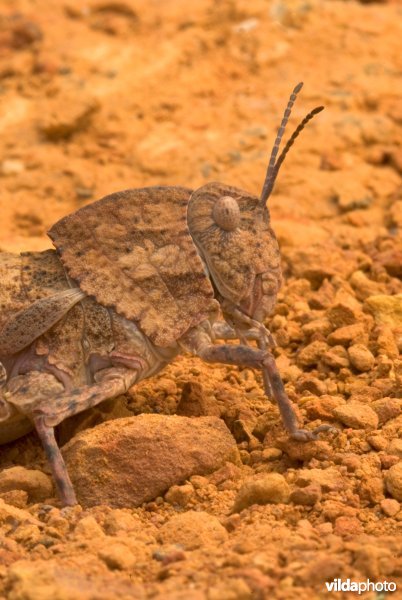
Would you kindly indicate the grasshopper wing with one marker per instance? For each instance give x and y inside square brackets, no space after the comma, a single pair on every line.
[133,252]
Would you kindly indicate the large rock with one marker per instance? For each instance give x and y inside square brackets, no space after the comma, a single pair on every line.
[133,460]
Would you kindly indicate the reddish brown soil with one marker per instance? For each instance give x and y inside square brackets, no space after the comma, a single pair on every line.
[100,96]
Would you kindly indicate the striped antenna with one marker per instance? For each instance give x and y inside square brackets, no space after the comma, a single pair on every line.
[270,176]
[291,141]
[273,167]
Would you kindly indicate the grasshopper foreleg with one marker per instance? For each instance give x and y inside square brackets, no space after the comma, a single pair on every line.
[245,356]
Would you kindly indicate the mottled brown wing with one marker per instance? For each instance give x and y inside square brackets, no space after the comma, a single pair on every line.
[26,278]
[133,251]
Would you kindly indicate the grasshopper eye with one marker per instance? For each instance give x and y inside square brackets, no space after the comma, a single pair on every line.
[226,213]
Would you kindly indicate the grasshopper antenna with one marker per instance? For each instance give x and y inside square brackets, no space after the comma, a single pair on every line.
[274,165]
[270,176]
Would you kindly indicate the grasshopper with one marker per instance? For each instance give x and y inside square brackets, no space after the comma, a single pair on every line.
[135,279]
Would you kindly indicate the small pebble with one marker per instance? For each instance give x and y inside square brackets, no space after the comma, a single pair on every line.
[317,326]
[270,454]
[88,527]
[311,384]
[121,521]
[330,479]
[386,409]
[348,527]
[11,167]
[395,448]
[351,194]
[386,309]
[199,481]
[18,498]
[378,442]
[306,496]
[180,494]
[9,513]
[321,407]
[192,530]
[388,461]
[336,357]
[357,416]
[393,481]
[36,484]
[345,335]
[390,507]
[117,556]
[266,489]
[343,313]
[361,358]
[311,354]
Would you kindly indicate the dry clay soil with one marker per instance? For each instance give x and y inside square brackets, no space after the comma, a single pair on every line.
[100,96]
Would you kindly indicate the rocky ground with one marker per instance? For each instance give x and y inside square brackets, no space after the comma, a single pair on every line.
[201,496]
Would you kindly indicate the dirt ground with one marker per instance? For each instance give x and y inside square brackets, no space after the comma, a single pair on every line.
[100,96]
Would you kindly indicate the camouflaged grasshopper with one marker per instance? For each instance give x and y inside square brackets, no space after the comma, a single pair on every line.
[137,278]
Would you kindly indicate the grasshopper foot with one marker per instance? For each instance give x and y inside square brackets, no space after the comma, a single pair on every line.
[304,435]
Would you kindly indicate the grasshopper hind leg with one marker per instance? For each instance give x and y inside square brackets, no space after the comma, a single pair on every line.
[57,465]
[44,400]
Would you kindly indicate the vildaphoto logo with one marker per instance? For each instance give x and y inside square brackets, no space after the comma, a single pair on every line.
[347,585]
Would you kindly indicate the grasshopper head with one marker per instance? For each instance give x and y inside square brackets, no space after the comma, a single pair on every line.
[231,229]
[239,249]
